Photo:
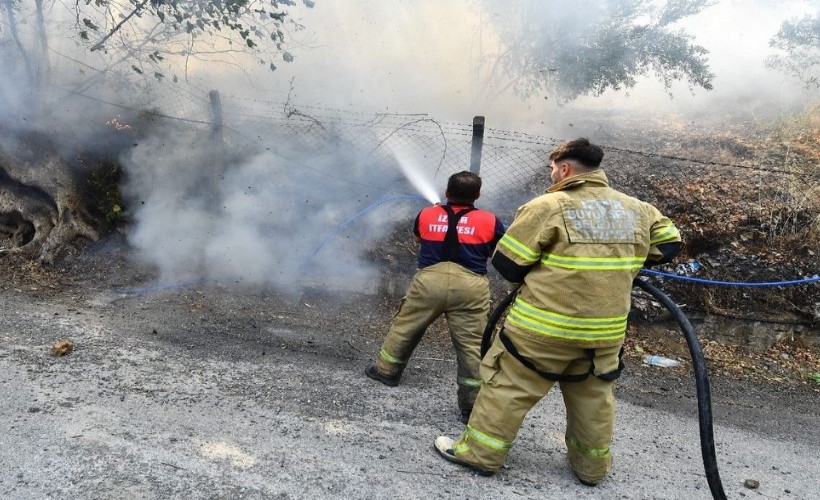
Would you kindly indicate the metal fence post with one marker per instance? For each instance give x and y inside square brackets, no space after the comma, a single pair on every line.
[217,139]
[216,113]
[478,143]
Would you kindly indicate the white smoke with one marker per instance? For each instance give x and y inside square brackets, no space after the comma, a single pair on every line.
[273,219]
[436,57]
[282,215]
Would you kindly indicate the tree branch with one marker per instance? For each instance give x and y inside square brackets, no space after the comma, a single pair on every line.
[16,37]
[44,66]
[116,28]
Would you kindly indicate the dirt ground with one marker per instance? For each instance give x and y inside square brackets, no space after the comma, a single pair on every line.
[769,394]
[788,365]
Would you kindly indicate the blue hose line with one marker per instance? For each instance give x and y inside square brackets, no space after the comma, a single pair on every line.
[329,236]
[762,284]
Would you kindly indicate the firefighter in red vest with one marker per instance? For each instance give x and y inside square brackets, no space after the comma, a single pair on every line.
[456,240]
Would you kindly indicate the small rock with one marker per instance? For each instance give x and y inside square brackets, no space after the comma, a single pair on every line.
[751,484]
[62,347]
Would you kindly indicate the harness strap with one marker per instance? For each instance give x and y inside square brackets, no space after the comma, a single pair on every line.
[451,238]
[614,374]
[560,377]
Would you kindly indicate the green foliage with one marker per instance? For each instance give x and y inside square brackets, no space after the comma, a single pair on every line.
[675,10]
[102,189]
[569,48]
[87,22]
[152,32]
[797,44]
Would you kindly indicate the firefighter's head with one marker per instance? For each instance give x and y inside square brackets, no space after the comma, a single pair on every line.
[574,157]
[463,187]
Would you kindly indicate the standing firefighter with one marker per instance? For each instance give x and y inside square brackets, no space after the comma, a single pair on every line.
[456,241]
[576,249]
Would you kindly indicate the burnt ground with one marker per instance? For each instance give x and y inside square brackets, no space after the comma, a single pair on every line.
[234,337]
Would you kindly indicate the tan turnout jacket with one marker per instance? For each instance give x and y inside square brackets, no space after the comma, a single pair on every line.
[587,243]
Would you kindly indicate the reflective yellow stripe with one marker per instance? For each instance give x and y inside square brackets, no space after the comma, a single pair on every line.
[391,359]
[593,263]
[519,249]
[529,317]
[666,233]
[469,382]
[588,451]
[570,321]
[460,447]
[532,326]
[485,439]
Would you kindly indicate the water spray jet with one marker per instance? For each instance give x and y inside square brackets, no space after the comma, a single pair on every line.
[416,175]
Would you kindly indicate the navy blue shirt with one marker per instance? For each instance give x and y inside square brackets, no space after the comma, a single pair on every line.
[478,233]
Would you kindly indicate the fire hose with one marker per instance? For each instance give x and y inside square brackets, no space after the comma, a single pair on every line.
[707,441]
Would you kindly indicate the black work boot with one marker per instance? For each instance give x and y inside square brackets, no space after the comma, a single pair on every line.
[465,415]
[584,481]
[373,373]
[444,446]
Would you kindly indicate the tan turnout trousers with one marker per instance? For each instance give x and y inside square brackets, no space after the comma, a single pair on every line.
[464,298]
[510,390]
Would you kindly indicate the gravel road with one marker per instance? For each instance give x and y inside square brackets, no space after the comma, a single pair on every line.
[230,392]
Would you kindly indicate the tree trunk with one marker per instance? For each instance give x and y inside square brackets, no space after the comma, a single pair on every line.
[41,206]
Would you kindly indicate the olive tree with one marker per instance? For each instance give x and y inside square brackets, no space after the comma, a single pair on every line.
[569,48]
[44,183]
[148,36]
[797,46]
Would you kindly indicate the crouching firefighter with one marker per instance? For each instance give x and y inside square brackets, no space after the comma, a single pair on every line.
[576,250]
[456,240]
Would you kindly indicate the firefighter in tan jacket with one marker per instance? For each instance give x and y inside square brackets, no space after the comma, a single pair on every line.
[576,249]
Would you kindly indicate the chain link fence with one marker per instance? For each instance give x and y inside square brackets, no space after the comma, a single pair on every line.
[748,217]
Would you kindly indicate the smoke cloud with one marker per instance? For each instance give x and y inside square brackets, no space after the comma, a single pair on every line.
[275,209]
[441,58]
[271,218]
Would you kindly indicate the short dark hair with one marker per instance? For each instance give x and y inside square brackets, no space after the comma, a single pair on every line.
[580,150]
[464,186]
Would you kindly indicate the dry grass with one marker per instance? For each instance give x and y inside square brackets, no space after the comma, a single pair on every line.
[787,362]
[22,274]
[756,223]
